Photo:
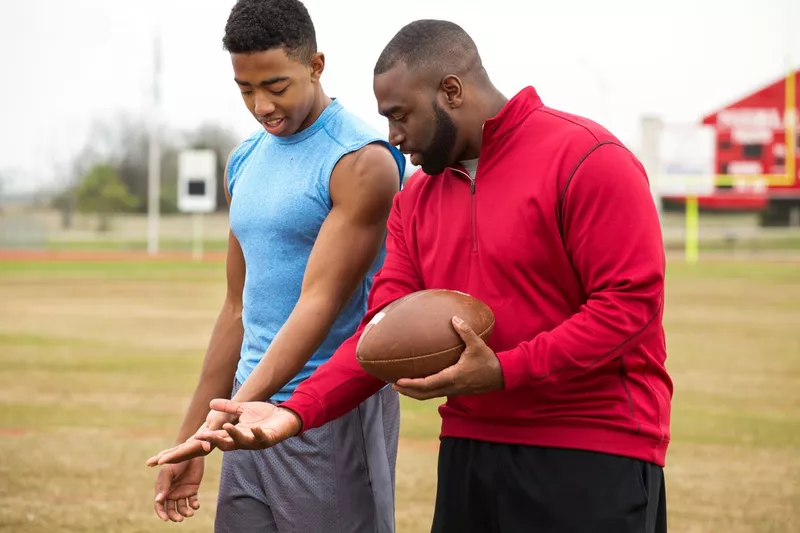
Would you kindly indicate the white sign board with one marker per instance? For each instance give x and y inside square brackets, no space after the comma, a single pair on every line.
[197,181]
[685,160]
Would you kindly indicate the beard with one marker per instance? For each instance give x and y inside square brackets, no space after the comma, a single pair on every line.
[437,156]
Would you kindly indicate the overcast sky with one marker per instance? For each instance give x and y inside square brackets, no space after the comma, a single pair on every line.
[67,62]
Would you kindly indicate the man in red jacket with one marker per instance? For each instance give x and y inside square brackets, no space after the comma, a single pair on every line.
[561,423]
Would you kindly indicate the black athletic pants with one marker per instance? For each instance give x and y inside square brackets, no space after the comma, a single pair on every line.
[500,488]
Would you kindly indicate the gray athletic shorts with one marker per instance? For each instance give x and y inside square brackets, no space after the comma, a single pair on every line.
[337,478]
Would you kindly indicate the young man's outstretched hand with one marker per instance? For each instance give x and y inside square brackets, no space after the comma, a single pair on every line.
[260,425]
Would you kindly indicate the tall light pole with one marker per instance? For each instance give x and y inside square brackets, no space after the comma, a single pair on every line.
[154,152]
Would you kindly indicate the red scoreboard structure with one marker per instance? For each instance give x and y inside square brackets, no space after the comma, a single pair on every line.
[756,136]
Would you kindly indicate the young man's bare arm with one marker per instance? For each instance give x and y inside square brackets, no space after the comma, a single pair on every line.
[362,185]
[222,354]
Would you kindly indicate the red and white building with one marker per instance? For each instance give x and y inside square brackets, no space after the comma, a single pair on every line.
[750,139]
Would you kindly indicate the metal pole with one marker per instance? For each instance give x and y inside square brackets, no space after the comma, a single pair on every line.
[197,234]
[154,162]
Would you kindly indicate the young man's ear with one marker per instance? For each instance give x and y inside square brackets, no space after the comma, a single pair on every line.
[317,64]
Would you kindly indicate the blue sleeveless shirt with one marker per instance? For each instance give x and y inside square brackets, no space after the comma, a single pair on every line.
[280,197]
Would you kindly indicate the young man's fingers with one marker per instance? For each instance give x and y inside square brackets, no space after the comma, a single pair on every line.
[219,439]
[172,511]
[161,510]
[184,509]
[226,406]
[183,453]
[163,484]
[241,439]
[153,461]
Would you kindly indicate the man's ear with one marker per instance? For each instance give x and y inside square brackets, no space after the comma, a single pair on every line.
[317,65]
[453,91]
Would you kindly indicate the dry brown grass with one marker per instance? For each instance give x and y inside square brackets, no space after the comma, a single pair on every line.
[97,362]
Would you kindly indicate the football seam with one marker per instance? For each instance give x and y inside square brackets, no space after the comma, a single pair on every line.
[421,356]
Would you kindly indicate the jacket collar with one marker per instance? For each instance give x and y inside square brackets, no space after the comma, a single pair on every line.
[512,114]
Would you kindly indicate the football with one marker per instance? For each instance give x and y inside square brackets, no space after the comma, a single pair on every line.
[414,336]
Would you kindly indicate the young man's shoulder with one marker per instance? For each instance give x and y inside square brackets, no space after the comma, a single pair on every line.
[346,127]
[362,141]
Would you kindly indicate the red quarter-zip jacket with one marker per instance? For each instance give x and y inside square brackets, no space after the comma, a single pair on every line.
[559,235]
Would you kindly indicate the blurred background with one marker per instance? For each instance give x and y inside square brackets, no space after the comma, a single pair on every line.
[117,118]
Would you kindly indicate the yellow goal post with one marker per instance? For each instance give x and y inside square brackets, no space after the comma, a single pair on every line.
[679,159]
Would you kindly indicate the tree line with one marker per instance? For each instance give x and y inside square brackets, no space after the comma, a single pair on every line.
[109,175]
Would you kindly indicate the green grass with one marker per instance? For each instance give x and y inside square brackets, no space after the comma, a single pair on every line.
[715,272]
[98,359]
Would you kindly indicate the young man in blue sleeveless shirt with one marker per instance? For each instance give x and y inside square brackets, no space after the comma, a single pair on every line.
[309,197]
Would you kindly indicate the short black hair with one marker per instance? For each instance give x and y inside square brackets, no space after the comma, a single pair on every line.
[436,45]
[259,25]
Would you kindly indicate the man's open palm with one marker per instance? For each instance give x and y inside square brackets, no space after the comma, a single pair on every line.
[261,425]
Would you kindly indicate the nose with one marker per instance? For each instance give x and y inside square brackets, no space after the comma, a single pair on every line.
[263,105]
[396,137]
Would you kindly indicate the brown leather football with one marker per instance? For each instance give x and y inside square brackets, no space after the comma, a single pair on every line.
[413,337]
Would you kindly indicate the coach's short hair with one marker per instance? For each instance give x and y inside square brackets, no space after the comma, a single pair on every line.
[432,45]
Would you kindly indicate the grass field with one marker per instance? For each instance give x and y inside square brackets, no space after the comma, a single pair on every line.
[97,361]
